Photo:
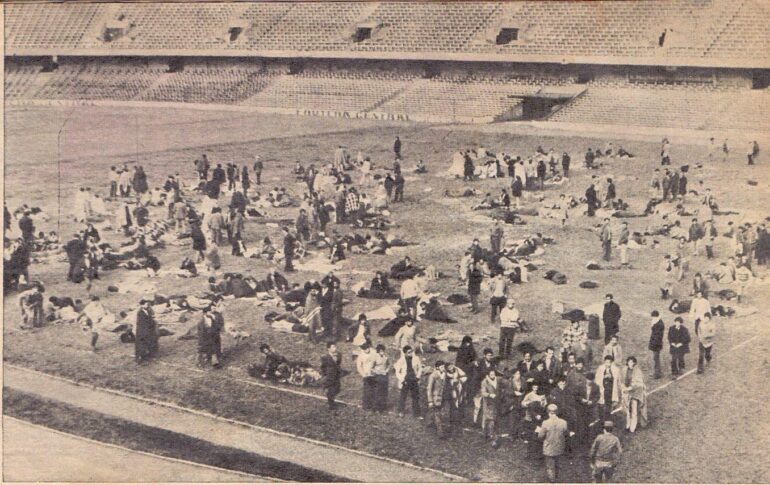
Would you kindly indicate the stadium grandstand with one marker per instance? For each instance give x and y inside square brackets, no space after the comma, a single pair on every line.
[644,63]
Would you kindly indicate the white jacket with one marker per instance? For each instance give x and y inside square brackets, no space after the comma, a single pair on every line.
[400,369]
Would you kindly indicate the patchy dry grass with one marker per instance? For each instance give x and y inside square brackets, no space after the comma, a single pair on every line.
[442,228]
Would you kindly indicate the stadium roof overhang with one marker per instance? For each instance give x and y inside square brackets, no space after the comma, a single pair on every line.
[758,62]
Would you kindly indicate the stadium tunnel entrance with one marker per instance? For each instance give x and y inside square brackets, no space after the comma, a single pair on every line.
[548,100]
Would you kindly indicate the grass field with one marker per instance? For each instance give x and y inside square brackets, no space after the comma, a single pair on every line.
[166,141]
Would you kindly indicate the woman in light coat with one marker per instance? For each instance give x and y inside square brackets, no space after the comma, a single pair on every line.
[633,395]
[608,374]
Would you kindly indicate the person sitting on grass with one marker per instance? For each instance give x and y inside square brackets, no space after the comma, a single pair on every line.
[404,269]
[273,362]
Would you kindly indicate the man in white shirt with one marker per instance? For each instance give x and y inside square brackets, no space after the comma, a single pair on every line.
[411,290]
[406,336]
[365,367]
[509,324]
[699,307]
[499,288]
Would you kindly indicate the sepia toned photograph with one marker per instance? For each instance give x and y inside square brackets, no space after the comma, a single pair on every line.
[386,241]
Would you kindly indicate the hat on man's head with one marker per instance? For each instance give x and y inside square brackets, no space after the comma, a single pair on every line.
[552,407]
[609,424]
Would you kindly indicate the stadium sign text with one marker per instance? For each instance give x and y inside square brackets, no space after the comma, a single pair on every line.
[353,115]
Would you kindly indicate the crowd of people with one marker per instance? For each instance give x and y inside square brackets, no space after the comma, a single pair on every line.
[556,400]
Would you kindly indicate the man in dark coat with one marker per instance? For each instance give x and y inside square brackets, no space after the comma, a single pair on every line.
[218,175]
[331,373]
[239,201]
[565,161]
[679,345]
[496,239]
[288,250]
[541,171]
[18,264]
[611,318]
[398,185]
[75,249]
[475,277]
[389,184]
[258,166]
[397,148]
[202,167]
[586,397]
[245,182]
[140,181]
[590,157]
[609,198]
[231,171]
[27,227]
[592,201]
[207,344]
[657,329]
[146,331]
[468,167]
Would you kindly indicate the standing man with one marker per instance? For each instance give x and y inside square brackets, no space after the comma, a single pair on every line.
[623,244]
[565,161]
[232,170]
[398,185]
[509,324]
[365,368]
[607,378]
[679,345]
[76,250]
[706,331]
[611,317]
[439,394]
[288,250]
[554,434]
[587,396]
[609,198]
[331,372]
[114,176]
[496,238]
[657,329]
[381,369]
[592,200]
[397,148]
[541,171]
[146,332]
[604,455]
[606,237]
[695,234]
[27,228]
[408,369]
[499,287]
[258,169]
[202,167]
[218,176]
[475,276]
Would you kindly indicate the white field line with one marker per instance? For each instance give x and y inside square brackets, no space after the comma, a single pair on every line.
[692,371]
